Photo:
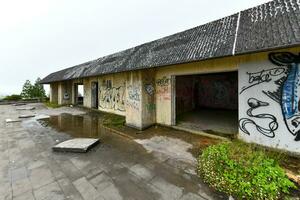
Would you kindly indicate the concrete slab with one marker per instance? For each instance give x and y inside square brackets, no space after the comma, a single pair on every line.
[26,108]
[42,116]
[80,145]
[26,116]
[19,104]
[12,120]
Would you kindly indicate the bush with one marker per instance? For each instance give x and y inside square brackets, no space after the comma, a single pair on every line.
[243,171]
[13,97]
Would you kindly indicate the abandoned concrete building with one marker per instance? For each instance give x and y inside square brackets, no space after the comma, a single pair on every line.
[238,75]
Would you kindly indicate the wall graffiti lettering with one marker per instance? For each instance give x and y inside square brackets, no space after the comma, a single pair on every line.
[163,81]
[163,92]
[267,131]
[134,105]
[112,98]
[149,88]
[133,93]
[262,76]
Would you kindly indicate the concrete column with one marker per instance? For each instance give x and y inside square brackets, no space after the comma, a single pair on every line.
[140,99]
[54,93]
[65,92]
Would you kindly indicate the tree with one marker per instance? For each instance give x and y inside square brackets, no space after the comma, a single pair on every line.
[38,90]
[33,91]
[27,90]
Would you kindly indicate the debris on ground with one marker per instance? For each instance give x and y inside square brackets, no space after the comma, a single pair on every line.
[19,104]
[26,108]
[26,116]
[78,145]
[12,120]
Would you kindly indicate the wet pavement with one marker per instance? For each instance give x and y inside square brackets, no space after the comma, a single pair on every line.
[156,164]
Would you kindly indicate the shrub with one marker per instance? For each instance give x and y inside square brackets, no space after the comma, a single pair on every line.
[243,171]
[13,97]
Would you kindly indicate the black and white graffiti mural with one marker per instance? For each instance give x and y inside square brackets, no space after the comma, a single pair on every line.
[278,85]
[268,131]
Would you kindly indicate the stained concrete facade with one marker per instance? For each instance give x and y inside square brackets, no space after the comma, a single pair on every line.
[147,97]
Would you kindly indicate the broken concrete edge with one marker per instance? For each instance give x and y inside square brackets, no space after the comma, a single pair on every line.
[75,150]
[201,133]
[117,132]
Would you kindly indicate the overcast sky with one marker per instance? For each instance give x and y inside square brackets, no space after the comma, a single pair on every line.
[38,37]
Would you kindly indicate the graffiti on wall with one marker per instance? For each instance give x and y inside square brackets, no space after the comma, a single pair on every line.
[163,89]
[262,76]
[149,88]
[150,107]
[268,131]
[286,95]
[134,97]
[112,98]
[134,93]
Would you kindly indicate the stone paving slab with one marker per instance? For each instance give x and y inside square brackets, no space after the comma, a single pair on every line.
[80,145]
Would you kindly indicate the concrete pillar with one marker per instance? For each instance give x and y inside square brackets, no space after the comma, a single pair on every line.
[65,92]
[140,99]
[54,93]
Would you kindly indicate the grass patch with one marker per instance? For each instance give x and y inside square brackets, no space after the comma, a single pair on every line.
[52,105]
[244,171]
[113,120]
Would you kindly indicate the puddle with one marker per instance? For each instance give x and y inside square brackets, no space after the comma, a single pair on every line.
[87,125]
[159,140]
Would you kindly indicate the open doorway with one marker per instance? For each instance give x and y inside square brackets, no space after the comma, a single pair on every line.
[78,94]
[94,97]
[208,102]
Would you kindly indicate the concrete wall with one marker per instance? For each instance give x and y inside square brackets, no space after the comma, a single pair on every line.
[112,93]
[269,99]
[165,86]
[65,92]
[54,92]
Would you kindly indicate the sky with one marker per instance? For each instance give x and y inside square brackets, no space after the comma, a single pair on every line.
[38,37]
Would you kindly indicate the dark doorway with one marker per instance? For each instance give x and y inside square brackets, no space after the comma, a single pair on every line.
[208,102]
[94,92]
[78,93]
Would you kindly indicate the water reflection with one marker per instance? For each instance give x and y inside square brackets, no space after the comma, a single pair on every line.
[87,125]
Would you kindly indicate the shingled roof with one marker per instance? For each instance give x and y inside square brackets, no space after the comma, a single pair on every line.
[273,25]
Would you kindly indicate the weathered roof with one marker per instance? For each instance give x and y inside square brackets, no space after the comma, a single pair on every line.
[275,24]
